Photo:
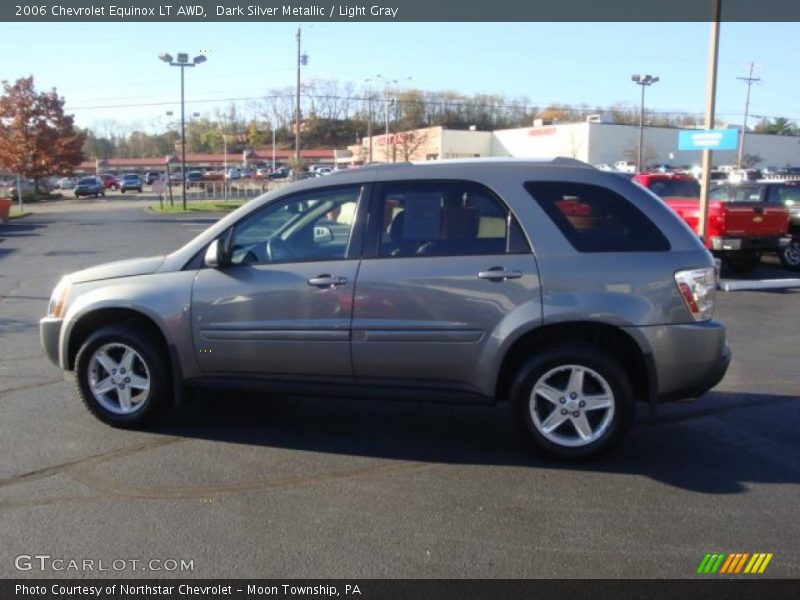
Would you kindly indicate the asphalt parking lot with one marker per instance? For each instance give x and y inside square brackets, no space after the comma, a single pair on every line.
[298,487]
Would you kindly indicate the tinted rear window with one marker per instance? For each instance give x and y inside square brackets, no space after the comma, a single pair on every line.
[596,219]
[782,193]
[671,188]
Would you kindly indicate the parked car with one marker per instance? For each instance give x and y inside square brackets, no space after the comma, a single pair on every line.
[415,281]
[130,181]
[626,166]
[738,232]
[110,182]
[67,183]
[151,176]
[233,173]
[194,179]
[784,194]
[246,173]
[90,186]
[281,173]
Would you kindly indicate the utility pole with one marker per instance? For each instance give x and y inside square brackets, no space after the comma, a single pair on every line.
[749,80]
[711,96]
[369,125]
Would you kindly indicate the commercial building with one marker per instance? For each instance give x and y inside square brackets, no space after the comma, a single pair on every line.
[589,141]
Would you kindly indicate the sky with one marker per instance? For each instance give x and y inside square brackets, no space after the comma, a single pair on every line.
[110,73]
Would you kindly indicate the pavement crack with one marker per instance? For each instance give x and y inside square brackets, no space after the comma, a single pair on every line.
[29,386]
[66,467]
[98,483]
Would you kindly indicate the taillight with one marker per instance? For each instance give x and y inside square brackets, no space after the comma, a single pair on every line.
[698,289]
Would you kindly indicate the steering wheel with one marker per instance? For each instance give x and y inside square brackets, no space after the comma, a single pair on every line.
[278,250]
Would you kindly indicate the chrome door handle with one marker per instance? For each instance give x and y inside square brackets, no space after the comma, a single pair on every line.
[326,280]
[499,274]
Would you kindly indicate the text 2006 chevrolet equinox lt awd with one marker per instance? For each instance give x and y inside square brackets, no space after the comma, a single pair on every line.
[570,292]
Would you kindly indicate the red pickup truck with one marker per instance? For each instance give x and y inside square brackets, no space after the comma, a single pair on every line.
[738,232]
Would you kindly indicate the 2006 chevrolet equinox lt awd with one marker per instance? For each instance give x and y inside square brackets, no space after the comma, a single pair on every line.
[570,292]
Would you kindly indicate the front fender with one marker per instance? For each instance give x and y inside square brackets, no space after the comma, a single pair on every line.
[163,298]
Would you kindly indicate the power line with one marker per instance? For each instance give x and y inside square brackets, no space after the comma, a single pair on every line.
[424,102]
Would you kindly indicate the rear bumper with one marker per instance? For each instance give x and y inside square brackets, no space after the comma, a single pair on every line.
[770,243]
[685,361]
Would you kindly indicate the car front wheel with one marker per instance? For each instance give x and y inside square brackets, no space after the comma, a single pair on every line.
[573,401]
[122,376]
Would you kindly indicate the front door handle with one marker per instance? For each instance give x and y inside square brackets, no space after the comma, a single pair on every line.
[499,274]
[327,281]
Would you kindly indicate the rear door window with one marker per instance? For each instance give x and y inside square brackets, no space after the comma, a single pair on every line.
[597,219]
[445,218]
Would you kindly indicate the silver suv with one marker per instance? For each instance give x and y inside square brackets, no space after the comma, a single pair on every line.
[570,292]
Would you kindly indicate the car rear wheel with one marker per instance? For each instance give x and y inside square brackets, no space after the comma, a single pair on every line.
[573,401]
[122,376]
[790,255]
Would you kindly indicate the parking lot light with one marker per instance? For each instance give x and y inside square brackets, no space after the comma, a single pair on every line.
[643,81]
[182,61]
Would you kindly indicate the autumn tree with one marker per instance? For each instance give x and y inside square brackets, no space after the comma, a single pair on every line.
[36,138]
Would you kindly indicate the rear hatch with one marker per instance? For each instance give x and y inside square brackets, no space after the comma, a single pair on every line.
[746,215]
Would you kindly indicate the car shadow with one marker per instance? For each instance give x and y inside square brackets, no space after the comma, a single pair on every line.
[769,268]
[714,446]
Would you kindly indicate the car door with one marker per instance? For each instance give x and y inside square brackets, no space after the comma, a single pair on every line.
[284,304]
[445,263]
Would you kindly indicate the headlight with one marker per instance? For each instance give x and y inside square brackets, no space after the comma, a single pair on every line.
[698,288]
[58,299]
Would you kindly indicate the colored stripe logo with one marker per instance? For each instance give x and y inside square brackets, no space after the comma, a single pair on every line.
[733,564]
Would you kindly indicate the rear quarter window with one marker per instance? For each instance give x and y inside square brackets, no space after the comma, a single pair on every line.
[597,219]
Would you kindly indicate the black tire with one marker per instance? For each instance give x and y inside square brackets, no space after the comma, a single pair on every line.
[790,255]
[151,355]
[122,191]
[613,427]
[743,262]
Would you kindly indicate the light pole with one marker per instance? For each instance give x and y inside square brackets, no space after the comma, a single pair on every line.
[369,121]
[643,81]
[387,83]
[302,60]
[182,61]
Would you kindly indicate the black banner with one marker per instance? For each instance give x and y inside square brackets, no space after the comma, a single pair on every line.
[396,10]
[414,589]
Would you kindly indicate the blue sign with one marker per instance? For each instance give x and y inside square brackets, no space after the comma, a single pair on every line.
[709,139]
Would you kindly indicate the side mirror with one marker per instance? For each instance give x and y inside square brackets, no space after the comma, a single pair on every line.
[213,255]
[322,234]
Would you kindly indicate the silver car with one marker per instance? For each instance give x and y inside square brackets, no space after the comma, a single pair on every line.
[570,292]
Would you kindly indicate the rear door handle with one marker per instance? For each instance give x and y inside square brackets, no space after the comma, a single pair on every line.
[328,281]
[499,274]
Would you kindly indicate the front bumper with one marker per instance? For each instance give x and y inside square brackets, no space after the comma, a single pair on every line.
[49,336]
